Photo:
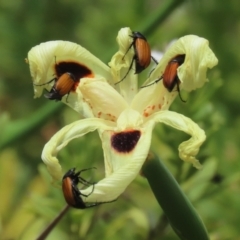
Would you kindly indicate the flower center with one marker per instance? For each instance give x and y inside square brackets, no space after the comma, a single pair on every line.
[125,142]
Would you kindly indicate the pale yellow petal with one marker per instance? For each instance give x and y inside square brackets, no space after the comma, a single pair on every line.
[42,61]
[124,41]
[104,100]
[64,136]
[152,99]
[120,64]
[123,168]
[129,121]
[198,58]
[188,149]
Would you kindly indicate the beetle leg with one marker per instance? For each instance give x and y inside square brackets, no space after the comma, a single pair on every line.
[128,49]
[156,81]
[99,203]
[54,79]
[127,71]
[84,182]
[178,89]
[86,195]
[67,97]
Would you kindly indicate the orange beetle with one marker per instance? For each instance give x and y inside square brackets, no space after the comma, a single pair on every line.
[142,53]
[62,86]
[71,192]
[68,75]
[170,77]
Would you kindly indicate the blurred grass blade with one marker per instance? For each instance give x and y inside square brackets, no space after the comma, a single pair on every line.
[153,21]
[179,211]
[14,130]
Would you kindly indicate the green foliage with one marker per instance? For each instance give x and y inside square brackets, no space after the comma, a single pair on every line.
[28,200]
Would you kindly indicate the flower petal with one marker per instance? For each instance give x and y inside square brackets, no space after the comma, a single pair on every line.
[104,100]
[188,149]
[120,64]
[65,135]
[152,99]
[198,58]
[51,59]
[126,167]
[123,135]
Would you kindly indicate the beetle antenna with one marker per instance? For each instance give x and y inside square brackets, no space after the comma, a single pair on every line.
[54,79]
[127,71]
[156,81]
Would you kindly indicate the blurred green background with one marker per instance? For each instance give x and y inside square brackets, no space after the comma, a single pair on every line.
[28,201]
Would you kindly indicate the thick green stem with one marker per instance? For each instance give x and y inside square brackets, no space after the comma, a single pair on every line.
[182,216]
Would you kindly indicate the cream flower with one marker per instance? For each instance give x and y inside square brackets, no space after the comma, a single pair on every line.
[123,115]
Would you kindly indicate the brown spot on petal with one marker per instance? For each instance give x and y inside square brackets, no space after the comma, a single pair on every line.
[145,114]
[149,110]
[125,142]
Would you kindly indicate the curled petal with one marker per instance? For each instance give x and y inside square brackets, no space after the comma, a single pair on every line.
[49,60]
[198,58]
[64,136]
[120,65]
[188,149]
[42,57]
[124,41]
[112,186]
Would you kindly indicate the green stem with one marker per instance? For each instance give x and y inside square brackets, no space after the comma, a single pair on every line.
[179,211]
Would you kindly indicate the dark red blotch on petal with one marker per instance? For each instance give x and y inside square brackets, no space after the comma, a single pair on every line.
[76,69]
[125,142]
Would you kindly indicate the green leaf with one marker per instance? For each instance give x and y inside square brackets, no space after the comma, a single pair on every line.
[182,216]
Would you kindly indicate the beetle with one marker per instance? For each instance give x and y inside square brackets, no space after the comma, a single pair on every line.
[71,192]
[170,78]
[62,86]
[142,54]
[68,74]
